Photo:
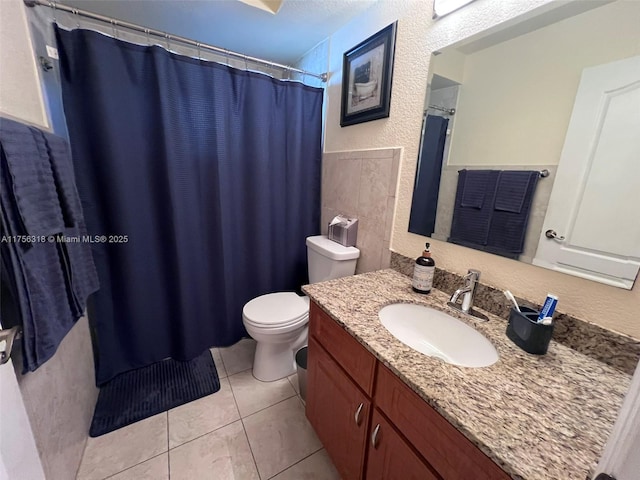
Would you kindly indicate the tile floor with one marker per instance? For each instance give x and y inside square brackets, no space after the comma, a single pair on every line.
[246,430]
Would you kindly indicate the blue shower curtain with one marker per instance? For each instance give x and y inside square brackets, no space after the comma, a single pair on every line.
[204,181]
[427,186]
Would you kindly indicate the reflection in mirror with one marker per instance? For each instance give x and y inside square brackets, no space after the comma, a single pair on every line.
[558,93]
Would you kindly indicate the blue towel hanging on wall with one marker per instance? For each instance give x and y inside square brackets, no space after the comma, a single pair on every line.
[473,207]
[48,280]
[492,208]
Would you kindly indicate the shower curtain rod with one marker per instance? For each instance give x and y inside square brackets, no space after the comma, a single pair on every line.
[115,23]
[450,111]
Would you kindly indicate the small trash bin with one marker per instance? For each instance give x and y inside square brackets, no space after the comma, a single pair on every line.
[301,365]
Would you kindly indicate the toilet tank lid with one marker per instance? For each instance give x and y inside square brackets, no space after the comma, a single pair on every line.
[331,249]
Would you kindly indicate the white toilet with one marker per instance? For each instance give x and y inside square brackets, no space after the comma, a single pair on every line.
[278,322]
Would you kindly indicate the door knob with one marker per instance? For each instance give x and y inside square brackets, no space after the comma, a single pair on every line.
[552,234]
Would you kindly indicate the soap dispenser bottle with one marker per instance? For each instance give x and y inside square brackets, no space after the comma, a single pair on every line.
[423,272]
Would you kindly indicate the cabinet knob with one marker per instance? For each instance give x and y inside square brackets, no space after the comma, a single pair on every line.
[374,436]
[357,415]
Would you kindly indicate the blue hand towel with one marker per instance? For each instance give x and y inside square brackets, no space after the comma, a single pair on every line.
[475,187]
[31,179]
[510,219]
[512,189]
[470,224]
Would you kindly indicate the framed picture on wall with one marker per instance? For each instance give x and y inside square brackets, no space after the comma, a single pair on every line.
[367,70]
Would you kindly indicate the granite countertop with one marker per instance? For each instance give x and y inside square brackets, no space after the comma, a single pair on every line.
[538,417]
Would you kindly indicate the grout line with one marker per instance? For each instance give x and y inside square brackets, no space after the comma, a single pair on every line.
[132,466]
[204,434]
[294,464]
[263,409]
[168,460]
[244,429]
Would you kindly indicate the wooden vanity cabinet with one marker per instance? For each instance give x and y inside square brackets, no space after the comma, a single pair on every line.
[338,410]
[387,432]
[391,457]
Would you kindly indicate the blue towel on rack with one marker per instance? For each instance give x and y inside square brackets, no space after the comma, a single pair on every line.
[472,217]
[477,184]
[49,280]
[514,197]
[31,179]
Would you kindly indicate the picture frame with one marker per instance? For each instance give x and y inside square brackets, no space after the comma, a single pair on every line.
[367,72]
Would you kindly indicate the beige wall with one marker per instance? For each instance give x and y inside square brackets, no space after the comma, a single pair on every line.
[418,36]
[20,93]
[532,80]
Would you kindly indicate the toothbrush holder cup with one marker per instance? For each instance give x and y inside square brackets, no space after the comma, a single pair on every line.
[524,330]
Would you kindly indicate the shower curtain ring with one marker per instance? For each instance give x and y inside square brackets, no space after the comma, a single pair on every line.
[146,31]
[53,6]
[226,56]
[198,47]
[113,28]
[168,37]
[246,65]
[77,14]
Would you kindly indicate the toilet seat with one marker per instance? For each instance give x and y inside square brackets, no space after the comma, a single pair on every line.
[276,311]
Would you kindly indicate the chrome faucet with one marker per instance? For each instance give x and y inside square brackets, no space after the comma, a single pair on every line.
[467,291]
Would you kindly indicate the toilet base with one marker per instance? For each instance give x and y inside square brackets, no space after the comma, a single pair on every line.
[274,361]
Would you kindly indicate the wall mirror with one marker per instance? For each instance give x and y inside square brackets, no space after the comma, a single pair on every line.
[530,146]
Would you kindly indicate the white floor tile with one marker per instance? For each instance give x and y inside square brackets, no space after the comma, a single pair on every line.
[156,468]
[223,454]
[316,467]
[124,448]
[217,359]
[201,416]
[238,357]
[252,395]
[280,436]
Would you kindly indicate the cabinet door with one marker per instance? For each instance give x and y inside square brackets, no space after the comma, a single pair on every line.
[338,411]
[390,457]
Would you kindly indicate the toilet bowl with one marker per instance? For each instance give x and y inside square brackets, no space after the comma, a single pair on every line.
[278,322]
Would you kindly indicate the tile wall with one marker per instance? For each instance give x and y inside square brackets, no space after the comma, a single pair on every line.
[362,184]
[59,398]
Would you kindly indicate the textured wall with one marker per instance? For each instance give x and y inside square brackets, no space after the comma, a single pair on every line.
[418,36]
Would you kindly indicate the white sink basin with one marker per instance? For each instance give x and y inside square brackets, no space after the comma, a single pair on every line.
[437,334]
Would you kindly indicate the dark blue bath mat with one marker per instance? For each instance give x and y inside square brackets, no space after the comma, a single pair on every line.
[142,393]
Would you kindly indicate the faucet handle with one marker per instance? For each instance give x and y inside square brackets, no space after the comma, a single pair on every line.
[473,275]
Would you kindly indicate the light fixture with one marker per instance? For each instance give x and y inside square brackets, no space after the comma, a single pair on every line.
[444,7]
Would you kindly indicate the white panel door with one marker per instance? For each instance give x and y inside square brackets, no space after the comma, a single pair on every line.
[19,457]
[595,203]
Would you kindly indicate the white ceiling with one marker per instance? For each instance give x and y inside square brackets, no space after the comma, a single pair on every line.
[284,37]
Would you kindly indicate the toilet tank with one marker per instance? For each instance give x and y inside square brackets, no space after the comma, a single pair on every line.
[328,259]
